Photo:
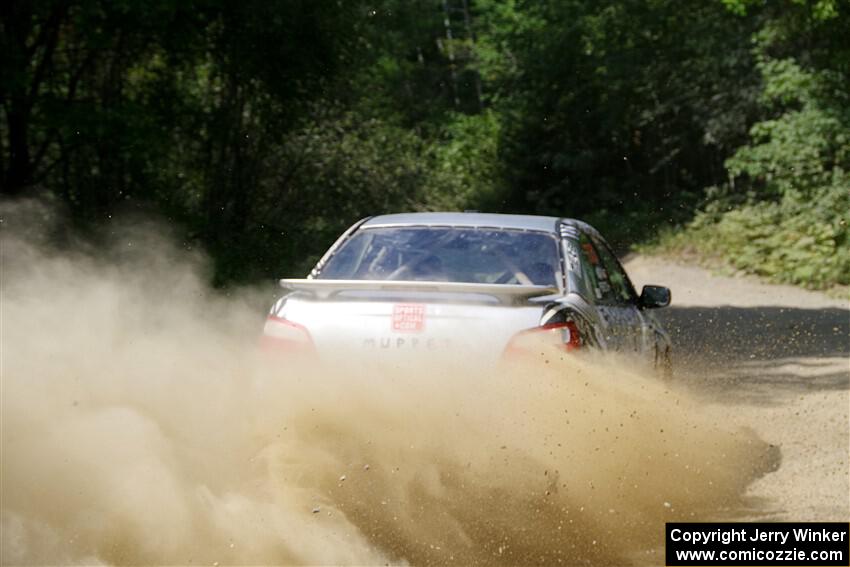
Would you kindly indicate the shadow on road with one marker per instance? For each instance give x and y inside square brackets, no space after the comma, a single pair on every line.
[760,354]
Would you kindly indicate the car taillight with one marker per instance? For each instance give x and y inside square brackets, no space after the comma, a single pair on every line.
[282,335]
[563,336]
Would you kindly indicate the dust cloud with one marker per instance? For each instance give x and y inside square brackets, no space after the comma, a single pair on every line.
[141,425]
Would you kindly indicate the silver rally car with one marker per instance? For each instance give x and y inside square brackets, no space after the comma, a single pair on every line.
[462,284]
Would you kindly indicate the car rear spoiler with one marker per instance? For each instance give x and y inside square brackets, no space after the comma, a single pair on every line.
[504,293]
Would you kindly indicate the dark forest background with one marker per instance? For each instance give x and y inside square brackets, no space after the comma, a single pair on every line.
[261,129]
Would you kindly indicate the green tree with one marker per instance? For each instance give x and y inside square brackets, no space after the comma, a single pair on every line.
[617,110]
[783,212]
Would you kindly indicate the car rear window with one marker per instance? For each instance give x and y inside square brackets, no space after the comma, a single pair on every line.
[450,254]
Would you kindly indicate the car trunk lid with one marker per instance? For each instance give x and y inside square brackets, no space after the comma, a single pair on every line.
[408,318]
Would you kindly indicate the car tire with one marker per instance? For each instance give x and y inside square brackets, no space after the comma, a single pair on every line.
[664,362]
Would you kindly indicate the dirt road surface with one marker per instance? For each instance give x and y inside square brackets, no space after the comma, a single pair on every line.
[776,359]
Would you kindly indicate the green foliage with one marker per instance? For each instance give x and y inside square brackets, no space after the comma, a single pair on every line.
[351,166]
[783,214]
[611,108]
[467,171]
[800,239]
[264,128]
[820,9]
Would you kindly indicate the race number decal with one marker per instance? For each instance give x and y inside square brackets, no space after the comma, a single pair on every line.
[408,318]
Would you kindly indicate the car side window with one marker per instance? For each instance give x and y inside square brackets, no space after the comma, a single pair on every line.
[594,273]
[621,287]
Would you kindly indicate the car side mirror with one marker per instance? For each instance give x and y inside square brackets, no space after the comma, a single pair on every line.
[654,296]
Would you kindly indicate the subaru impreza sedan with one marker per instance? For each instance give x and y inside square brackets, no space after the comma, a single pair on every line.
[465,284]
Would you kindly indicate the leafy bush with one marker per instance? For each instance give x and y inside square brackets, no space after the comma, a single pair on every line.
[800,239]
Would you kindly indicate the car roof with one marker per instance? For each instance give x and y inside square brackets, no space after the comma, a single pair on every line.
[472,219]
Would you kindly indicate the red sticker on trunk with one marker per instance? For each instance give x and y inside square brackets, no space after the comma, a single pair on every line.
[408,318]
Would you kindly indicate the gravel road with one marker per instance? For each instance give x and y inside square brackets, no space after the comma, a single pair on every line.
[774,358]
